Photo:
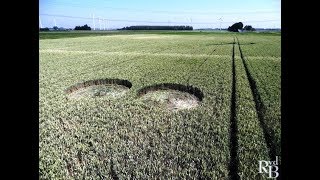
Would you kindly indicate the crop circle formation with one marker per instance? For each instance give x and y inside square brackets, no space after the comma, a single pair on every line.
[171,96]
[97,88]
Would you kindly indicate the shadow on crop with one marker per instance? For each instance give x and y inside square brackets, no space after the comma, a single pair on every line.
[234,161]
[260,109]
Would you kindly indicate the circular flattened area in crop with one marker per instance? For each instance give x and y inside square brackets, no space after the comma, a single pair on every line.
[171,96]
[96,88]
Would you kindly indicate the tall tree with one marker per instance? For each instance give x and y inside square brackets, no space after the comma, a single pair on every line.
[236,27]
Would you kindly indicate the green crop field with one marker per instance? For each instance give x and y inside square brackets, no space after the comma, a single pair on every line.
[138,132]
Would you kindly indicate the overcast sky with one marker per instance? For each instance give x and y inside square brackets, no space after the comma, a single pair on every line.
[198,13]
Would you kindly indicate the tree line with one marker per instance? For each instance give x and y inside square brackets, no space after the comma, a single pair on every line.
[239,26]
[85,27]
[236,27]
[157,28]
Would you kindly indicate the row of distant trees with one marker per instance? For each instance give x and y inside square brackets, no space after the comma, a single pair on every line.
[157,28]
[239,26]
[85,27]
[234,28]
[44,29]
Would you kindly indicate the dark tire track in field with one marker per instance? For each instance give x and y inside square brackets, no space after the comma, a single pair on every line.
[103,65]
[189,72]
[95,68]
[110,66]
[261,81]
[112,171]
[149,74]
[260,108]
[234,161]
[205,60]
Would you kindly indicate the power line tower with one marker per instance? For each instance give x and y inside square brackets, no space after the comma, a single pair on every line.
[99,19]
[220,22]
[93,23]
[55,23]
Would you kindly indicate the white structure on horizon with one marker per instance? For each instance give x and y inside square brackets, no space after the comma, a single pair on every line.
[93,23]
[40,22]
[99,19]
[220,22]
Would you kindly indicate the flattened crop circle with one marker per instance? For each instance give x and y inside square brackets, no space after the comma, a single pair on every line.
[101,87]
[171,96]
